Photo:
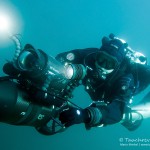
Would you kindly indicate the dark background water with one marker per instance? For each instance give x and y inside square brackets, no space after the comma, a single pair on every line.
[60,25]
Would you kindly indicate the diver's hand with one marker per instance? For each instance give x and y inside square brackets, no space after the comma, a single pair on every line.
[73,116]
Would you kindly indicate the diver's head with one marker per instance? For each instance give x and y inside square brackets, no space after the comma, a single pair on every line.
[110,56]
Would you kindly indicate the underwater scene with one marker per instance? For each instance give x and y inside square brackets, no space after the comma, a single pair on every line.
[75,75]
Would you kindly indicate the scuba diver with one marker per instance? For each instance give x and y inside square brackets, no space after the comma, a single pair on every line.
[114,74]
[40,86]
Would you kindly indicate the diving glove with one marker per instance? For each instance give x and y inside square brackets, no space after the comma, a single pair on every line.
[90,115]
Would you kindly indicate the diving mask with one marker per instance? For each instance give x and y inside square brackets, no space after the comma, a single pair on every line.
[105,64]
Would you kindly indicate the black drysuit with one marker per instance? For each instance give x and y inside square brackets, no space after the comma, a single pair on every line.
[116,91]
